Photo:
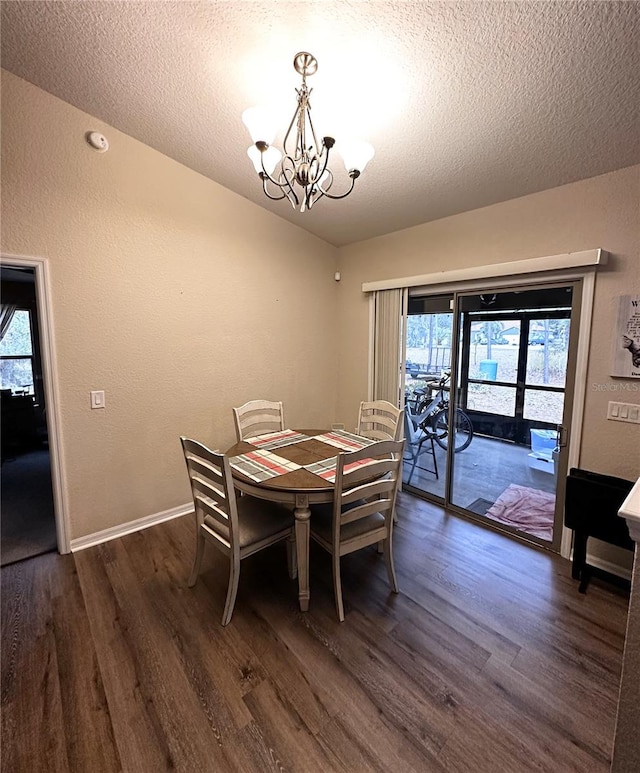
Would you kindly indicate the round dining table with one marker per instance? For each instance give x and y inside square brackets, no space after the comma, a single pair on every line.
[298,487]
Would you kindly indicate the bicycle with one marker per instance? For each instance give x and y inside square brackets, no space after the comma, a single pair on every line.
[431,413]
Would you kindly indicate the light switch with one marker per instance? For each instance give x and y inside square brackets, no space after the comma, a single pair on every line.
[629,412]
[97,399]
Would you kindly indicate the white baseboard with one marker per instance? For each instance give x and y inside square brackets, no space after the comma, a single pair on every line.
[608,566]
[128,528]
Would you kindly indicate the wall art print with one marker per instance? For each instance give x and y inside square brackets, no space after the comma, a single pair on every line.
[626,349]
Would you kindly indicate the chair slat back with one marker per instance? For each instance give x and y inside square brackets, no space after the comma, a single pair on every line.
[380,420]
[212,491]
[369,489]
[368,508]
[374,482]
[257,417]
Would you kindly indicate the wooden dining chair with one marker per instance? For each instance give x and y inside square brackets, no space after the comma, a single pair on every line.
[362,509]
[257,417]
[238,528]
[380,420]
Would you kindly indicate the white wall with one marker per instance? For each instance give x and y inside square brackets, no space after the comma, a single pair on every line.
[181,299]
[177,297]
[599,212]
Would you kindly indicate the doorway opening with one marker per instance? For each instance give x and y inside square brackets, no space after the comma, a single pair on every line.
[512,353]
[28,525]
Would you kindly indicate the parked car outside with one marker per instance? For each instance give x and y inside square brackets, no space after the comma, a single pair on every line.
[412,368]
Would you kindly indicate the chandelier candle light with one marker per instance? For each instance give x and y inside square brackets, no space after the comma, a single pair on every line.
[302,174]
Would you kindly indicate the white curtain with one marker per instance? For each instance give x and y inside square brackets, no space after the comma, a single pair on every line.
[7,310]
[388,344]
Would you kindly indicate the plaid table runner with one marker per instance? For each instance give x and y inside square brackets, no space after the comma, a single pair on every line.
[276,439]
[345,441]
[261,465]
[326,469]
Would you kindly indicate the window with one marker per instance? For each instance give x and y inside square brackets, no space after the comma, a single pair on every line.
[513,360]
[16,355]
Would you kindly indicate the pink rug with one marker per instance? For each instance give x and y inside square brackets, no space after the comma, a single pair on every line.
[526,509]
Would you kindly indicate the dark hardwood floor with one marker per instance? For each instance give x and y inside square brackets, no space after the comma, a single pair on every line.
[488,660]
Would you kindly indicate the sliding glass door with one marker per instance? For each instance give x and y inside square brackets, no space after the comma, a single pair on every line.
[429,337]
[492,443]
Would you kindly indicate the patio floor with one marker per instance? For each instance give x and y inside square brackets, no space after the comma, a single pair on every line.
[483,471]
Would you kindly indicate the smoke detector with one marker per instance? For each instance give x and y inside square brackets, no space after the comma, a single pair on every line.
[97,141]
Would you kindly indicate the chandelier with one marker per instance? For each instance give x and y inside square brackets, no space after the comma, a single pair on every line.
[301,172]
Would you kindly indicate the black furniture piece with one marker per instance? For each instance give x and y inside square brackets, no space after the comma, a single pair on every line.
[591,509]
[19,423]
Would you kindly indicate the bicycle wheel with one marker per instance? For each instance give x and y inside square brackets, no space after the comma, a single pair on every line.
[462,429]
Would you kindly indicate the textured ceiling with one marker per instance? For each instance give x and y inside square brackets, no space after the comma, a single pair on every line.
[466,103]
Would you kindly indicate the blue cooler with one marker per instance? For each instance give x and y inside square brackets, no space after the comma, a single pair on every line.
[489,369]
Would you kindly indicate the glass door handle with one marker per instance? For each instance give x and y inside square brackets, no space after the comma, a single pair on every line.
[562,435]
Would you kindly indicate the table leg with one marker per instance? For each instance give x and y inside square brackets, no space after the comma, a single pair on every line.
[302,515]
